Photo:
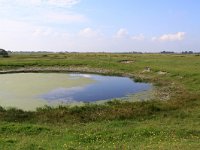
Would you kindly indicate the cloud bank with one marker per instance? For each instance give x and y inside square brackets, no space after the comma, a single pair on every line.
[123,33]
[179,36]
[89,33]
[58,3]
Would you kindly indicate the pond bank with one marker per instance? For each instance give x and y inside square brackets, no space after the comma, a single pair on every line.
[28,91]
[158,92]
[56,69]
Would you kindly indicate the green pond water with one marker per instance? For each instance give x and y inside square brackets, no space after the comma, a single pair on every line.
[29,91]
[20,90]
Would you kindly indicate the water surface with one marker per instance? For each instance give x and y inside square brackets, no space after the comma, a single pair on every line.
[31,90]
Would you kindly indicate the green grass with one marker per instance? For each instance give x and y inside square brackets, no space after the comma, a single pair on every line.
[177,132]
[158,124]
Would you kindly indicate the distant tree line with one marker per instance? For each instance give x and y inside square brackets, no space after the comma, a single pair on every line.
[167,52]
[183,52]
[187,52]
[3,53]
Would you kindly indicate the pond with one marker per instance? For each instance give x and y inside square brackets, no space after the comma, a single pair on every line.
[28,91]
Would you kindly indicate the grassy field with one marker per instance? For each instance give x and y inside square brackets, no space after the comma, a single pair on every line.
[170,121]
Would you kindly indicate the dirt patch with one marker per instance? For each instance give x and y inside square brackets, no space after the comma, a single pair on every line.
[146,69]
[126,61]
[162,72]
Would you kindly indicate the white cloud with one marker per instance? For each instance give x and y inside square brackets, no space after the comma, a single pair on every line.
[36,2]
[67,17]
[58,3]
[89,33]
[29,2]
[11,26]
[179,36]
[63,3]
[41,12]
[122,33]
[24,30]
[43,32]
[139,37]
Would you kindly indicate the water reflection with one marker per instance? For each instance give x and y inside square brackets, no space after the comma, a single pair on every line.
[105,87]
[31,90]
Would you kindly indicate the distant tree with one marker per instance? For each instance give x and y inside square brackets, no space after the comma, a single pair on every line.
[3,53]
[187,52]
[167,52]
[190,52]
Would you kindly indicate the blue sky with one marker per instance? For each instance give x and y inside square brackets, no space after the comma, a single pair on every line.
[100,25]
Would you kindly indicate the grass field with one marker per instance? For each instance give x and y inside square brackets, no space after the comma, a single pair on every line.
[170,121]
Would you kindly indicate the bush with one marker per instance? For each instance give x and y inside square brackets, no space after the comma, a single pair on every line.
[4,53]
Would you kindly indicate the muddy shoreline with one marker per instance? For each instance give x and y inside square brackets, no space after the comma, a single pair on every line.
[57,69]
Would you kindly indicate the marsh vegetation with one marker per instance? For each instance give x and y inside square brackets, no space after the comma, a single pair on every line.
[169,121]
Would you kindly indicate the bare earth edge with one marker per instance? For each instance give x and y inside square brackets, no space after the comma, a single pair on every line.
[56,69]
[142,96]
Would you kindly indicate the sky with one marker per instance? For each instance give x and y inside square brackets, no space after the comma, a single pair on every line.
[100,25]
